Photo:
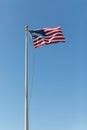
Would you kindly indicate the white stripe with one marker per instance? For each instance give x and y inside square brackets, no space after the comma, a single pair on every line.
[46,40]
[53,41]
[51,32]
[47,29]
[53,37]
[39,44]
[44,37]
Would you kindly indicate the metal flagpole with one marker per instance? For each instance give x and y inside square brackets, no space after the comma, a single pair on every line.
[26,78]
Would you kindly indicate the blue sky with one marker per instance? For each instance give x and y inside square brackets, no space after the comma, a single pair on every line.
[59,96]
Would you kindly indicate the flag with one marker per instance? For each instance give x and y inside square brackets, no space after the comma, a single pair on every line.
[47,36]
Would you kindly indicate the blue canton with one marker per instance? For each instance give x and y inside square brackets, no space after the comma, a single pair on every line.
[37,33]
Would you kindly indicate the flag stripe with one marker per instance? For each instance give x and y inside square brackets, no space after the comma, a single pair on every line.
[48,41]
[53,32]
[47,37]
[38,45]
[56,30]
[44,43]
[49,29]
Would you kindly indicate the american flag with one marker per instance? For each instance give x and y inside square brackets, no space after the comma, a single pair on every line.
[47,36]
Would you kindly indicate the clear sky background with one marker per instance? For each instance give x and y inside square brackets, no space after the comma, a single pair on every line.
[59,96]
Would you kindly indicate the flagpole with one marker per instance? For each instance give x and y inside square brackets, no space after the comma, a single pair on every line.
[26,78]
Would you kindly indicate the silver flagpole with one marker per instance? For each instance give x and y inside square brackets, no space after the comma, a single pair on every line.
[26,78]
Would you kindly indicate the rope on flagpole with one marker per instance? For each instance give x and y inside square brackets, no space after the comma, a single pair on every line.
[33,75]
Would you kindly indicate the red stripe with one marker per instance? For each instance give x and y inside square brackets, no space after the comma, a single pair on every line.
[39,42]
[52,31]
[55,34]
[38,45]
[56,40]
[53,42]
[49,41]
[49,29]
[48,38]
